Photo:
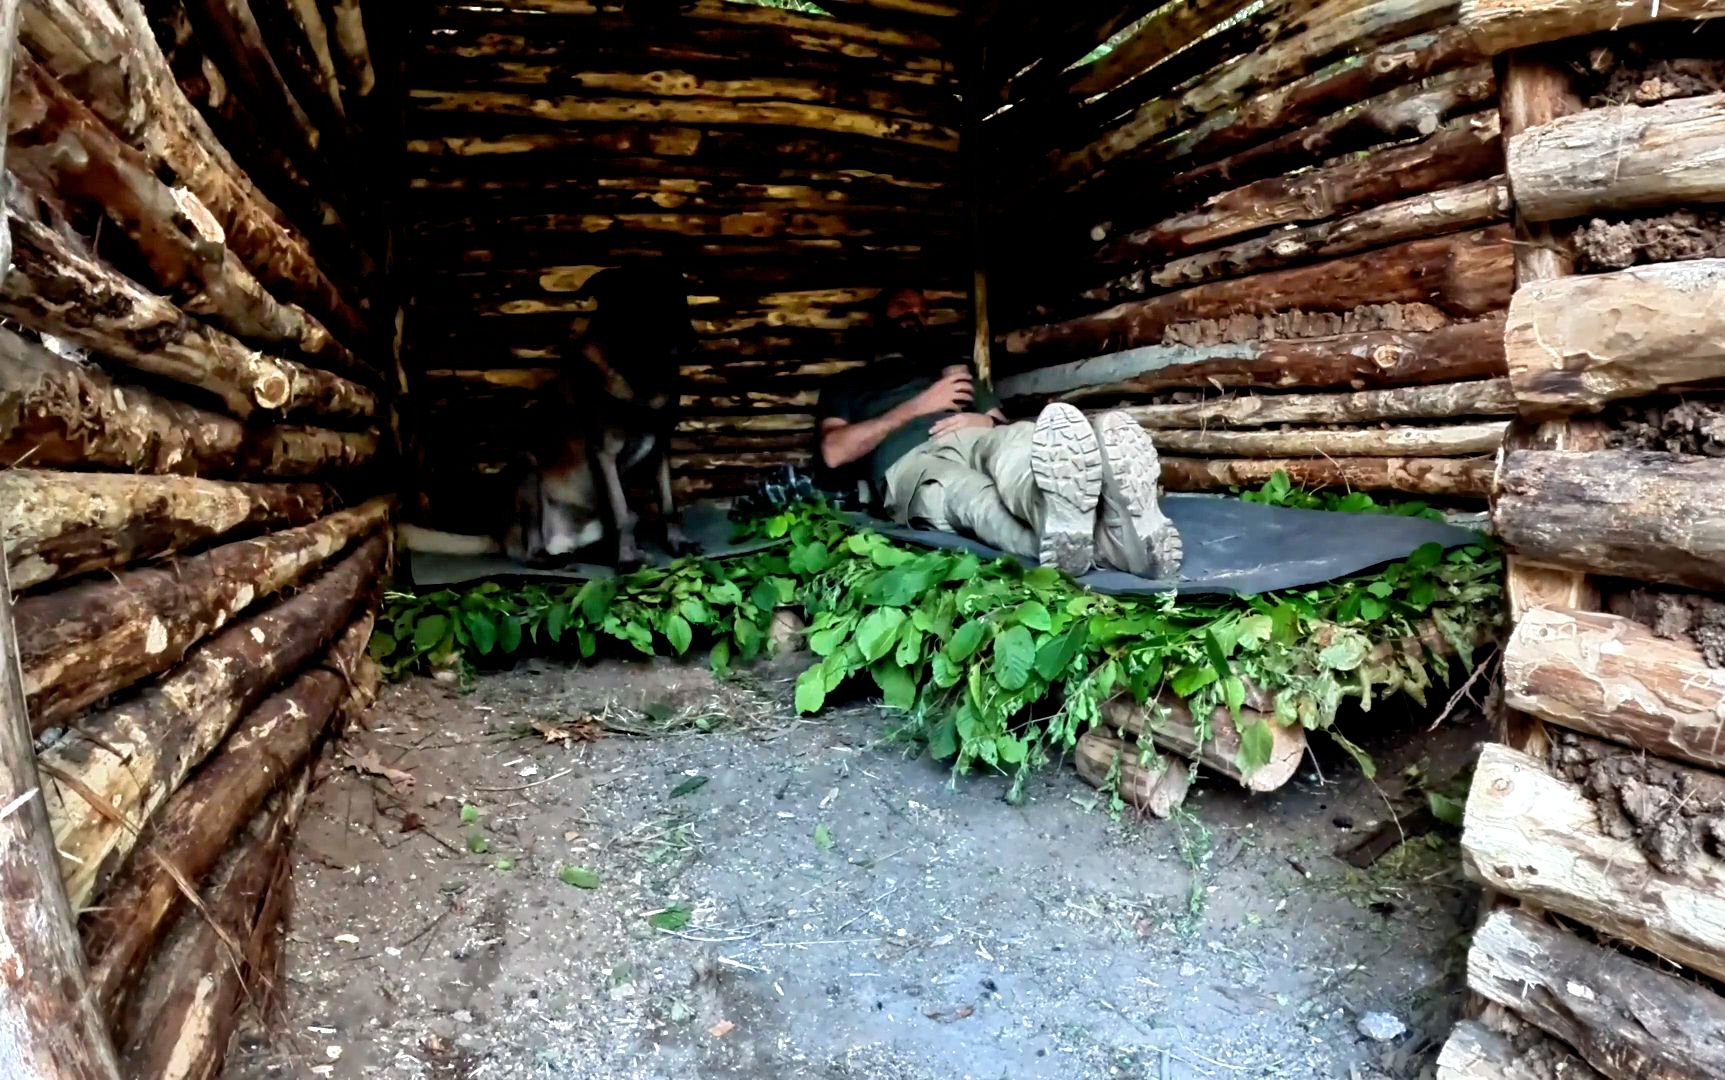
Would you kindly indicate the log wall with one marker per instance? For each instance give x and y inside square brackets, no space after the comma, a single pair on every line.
[1296,206]
[1587,826]
[791,164]
[197,394]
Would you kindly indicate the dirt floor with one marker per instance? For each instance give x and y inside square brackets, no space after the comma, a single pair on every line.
[850,912]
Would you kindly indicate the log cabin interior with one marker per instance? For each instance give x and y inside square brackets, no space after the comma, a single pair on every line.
[285,276]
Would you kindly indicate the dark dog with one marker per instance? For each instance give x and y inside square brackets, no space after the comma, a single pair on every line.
[610,414]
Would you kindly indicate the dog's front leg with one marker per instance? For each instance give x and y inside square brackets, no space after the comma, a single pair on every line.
[628,553]
[675,538]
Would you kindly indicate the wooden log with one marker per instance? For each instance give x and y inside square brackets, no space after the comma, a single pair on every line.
[57,413]
[1157,788]
[1575,343]
[1374,358]
[1624,157]
[1629,513]
[108,56]
[1613,678]
[124,762]
[1533,836]
[300,46]
[1164,32]
[82,643]
[196,826]
[1169,724]
[1446,401]
[55,289]
[846,35]
[1500,25]
[191,998]
[1335,27]
[1464,477]
[59,145]
[1468,274]
[1464,150]
[1398,72]
[1627,1019]
[1469,206]
[687,111]
[49,1023]
[1457,440]
[1475,1052]
[60,523]
[238,44]
[353,51]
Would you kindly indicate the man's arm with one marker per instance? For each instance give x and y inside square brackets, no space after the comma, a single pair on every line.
[844,441]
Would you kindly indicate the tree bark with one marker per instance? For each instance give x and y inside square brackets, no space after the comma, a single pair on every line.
[1639,514]
[1628,1020]
[197,825]
[49,1023]
[1533,836]
[108,56]
[59,145]
[55,289]
[1158,789]
[1446,401]
[1438,213]
[55,412]
[1170,726]
[1469,274]
[1453,441]
[1499,25]
[1575,343]
[190,999]
[1462,351]
[1615,679]
[1475,1052]
[60,523]
[1464,150]
[1465,477]
[1623,157]
[84,642]
[134,756]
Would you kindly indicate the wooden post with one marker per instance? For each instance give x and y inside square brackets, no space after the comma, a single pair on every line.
[1536,89]
[49,1023]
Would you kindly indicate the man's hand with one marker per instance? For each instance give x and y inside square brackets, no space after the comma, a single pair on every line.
[953,391]
[949,424]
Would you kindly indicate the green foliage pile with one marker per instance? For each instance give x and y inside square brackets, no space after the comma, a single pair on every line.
[988,662]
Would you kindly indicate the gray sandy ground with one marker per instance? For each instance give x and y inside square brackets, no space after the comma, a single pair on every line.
[854,913]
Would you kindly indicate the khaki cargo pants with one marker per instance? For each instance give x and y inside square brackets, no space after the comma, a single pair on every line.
[975,482]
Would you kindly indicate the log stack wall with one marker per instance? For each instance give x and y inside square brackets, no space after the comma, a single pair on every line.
[1281,227]
[1588,822]
[790,163]
[197,394]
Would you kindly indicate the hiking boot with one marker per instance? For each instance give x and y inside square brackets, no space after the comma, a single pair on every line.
[1066,463]
[1132,533]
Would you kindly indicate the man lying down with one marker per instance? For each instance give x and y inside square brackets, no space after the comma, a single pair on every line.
[1064,489]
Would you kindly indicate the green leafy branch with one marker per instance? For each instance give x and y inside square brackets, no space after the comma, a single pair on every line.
[991,664]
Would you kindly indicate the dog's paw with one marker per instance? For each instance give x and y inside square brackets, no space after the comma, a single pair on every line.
[628,554]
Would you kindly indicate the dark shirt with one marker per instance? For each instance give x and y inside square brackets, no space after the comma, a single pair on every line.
[860,398]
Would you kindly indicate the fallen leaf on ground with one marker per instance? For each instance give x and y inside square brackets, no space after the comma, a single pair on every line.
[368,762]
[722,1028]
[941,1016]
[688,787]
[585,729]
[578,876]
[411,822]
